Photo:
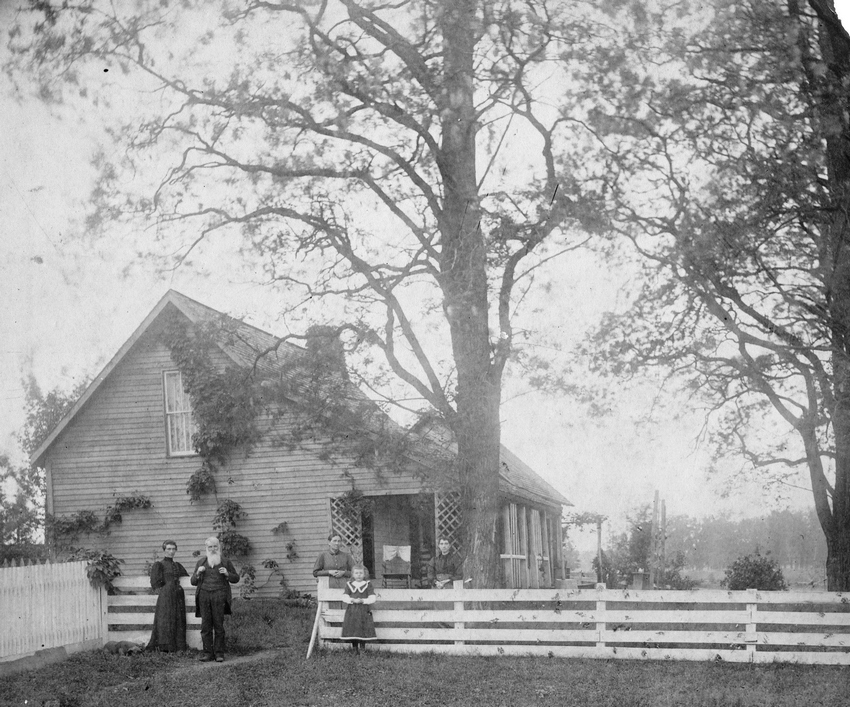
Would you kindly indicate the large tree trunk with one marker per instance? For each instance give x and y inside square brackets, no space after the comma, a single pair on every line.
[831,97]
[838,560]
[837,528]
[464,284]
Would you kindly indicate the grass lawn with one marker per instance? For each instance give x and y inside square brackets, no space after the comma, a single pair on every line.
[266,666]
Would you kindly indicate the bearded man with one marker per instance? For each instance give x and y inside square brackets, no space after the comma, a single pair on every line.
[213,576]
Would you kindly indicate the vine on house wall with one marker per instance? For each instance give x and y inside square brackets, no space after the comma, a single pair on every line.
[227,515]
[354,505]
[65,530]
[248,587]
[225,403]
[101,566]
[125,503]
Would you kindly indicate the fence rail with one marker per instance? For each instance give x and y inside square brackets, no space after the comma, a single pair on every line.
[130,613]
[47,606]
[743,626]
[53,605]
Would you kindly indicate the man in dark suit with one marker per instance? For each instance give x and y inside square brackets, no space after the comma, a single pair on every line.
[213,576]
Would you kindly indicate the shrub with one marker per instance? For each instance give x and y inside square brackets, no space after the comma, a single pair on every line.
[755,571]
[102,566]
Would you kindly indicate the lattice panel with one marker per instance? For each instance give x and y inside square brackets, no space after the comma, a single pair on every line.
[449,518]
[349,529]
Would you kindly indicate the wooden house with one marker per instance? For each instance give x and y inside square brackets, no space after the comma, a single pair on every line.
[130,436]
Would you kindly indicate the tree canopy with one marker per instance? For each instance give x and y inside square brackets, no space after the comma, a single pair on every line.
[402,157]
[22,513]
[724,129]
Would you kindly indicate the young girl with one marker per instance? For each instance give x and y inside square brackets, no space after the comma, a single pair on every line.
[357,624]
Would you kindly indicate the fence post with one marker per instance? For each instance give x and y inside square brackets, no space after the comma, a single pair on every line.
[751,638]
[456,585]
[600,616]
[323,605]
[104,615]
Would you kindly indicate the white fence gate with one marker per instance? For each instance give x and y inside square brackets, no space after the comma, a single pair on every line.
[130,612]
[49,606]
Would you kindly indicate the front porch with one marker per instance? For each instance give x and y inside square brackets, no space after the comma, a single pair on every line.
[528,534]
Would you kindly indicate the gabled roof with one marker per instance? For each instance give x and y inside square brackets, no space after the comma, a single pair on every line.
[244,343]
[242,348]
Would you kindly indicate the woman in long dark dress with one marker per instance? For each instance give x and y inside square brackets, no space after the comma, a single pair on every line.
[169,623]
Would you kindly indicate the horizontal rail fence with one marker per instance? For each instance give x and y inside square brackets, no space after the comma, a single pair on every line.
[45,606]
[740,626]
[131,611]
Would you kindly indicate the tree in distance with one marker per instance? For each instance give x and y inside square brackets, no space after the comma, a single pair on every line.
[725,129]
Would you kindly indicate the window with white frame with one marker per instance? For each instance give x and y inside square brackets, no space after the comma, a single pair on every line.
[178,416]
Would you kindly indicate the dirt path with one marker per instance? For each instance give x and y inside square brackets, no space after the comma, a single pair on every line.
[187,671]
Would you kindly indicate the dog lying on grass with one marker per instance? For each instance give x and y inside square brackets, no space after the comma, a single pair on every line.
[122,648]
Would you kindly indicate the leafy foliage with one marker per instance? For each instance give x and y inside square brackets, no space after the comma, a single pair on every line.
[102,566]
[124,503]
[247,581]
[201,482]
[725,169]
[224,402]
[65,530]
[22,516]
[227,515]
[755,571]
[631,552]
[344,140]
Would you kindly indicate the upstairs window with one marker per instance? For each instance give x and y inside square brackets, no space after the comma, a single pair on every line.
[178,416]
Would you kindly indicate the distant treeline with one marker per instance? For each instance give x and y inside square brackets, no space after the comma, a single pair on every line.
[793,538]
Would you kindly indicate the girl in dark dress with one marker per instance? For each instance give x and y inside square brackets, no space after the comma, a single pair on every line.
[357,624]
[169,623]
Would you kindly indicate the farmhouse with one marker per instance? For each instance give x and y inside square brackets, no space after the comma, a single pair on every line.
[127,445]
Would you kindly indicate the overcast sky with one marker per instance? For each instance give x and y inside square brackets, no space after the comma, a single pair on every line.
[69,307]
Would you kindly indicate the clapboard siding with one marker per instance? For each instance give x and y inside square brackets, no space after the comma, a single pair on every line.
[116,446]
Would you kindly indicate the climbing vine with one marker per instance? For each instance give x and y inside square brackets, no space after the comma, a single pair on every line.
[354,505]
[227,515]
[225,402]
[65,530]
[125,503]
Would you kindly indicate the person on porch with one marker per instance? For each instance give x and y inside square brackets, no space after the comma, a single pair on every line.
[334,563]
[446,567]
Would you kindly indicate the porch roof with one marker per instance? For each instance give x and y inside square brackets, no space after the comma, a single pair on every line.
[519,479]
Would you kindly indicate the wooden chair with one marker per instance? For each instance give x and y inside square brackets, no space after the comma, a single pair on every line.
[396,566]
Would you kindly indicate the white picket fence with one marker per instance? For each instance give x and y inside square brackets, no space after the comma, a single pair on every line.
[53,605]
[49,606]
[743,626]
